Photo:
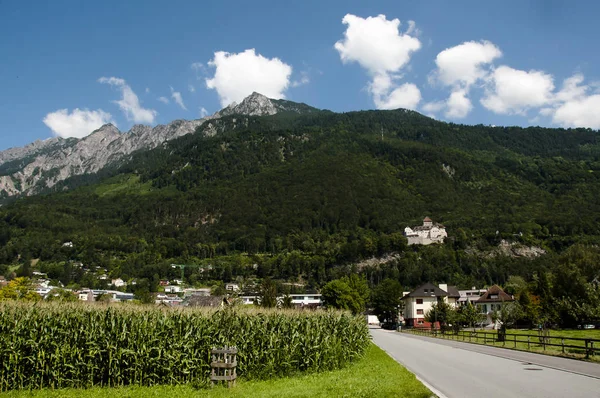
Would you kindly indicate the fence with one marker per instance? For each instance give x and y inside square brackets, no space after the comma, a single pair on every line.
[562,345]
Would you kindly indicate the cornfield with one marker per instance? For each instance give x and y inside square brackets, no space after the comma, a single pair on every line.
[59,345]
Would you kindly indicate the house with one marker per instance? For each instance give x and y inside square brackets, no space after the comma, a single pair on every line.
[470,296]
[305,300]
[418,302]
[173,289]
[3,281]
[426,234]
[491,302]
[232,287]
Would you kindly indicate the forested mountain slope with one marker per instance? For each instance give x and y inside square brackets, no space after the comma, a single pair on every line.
[304,196]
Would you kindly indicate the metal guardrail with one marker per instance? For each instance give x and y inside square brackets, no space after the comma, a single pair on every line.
[575,345]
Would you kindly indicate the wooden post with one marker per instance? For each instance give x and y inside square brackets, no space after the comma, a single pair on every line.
[515,337]
[223,365]
[562,343]
[587,350]
[528,342]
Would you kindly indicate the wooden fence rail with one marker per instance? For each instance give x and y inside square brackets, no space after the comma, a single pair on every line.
[572,345]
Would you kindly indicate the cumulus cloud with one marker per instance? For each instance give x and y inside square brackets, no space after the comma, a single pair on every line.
[464,64]
[406,96]
[203,112]
[458,105]
[571,106]
[191,88]
[581,112]
[238,75]
[176,95]
[78,123]
[459,68]
[129,102]
[164,100]
[513,91]
[377,45]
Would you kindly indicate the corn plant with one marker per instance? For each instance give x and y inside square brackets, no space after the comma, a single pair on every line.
[50,345]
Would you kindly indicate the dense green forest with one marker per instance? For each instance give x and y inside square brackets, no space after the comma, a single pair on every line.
[307,198]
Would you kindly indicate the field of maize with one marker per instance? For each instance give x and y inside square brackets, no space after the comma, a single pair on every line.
[75,345]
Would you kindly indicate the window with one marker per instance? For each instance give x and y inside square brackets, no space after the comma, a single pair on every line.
[419,301]
[419,312]
[420,322]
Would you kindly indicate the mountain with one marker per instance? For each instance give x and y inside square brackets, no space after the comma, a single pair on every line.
[307,196]
[258,105]
[42,165]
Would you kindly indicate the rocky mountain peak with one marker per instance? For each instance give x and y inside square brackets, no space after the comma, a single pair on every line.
[45,163]
[255,104]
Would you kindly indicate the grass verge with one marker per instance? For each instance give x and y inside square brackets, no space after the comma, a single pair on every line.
[376,375]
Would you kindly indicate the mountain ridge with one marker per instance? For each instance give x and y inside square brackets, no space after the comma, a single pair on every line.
[41,165]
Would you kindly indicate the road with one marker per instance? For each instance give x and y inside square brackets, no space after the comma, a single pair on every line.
[456,369]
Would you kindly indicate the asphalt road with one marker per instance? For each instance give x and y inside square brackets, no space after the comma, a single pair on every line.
[454,369]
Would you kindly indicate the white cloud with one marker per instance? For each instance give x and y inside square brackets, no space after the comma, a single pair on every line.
[238,75]
[464,64]
[581,112]
[130,103]
[79,123]
[197,66]
[434,107]
[458,105]
[191,88]
[406,96]
[147,90]
[572,106]
[164,100]
[513,91]
[304,79]
[377,45]
[203,112]
[176,95]
[460,67]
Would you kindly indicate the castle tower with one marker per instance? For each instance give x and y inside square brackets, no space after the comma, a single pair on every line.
[427,222]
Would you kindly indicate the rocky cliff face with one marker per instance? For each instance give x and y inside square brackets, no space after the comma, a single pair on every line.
[42,164]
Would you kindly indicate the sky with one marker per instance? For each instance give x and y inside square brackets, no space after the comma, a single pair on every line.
[68,67]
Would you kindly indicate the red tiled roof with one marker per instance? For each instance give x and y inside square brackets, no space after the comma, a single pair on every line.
[427,219]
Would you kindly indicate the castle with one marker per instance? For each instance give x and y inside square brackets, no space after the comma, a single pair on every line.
[426,234]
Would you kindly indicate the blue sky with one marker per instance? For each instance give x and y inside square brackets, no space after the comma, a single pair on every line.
[69,66]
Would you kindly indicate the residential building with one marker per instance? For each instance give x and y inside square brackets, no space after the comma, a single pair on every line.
[491,302]
[173,289]
[3,281]
[418,302]
[470,296]
[312,300]
[232,287]
[426,234]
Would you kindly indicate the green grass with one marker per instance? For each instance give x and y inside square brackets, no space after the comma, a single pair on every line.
[123,184]
[376,375]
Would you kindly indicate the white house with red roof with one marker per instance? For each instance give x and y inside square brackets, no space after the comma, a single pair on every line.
[426,234]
